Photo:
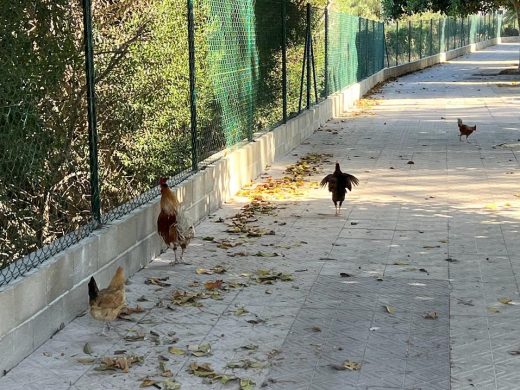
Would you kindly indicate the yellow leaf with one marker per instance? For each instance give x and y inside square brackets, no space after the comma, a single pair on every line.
[147,382]
[241,311]
[390,309]
[505,301]
[352,366]
[176,351]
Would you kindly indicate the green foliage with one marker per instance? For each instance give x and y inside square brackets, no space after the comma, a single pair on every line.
[395,9]
[370,9]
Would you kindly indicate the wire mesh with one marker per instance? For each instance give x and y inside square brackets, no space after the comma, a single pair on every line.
[318,51]
[44,172]
[343,56]
[296,30]
[142,91]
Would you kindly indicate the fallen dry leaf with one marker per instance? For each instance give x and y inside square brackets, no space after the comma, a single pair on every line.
[200,349]
[170,384]
[87,349]
[247,384]
[122,362]
[505,300]
[250,347]
[347,365]
[241,311]
[205,371]
[390,309]
[161,282]
[245,364]
[176,351]
[213,284]
[218,269]
[134,337]
[432,315]
[147,382]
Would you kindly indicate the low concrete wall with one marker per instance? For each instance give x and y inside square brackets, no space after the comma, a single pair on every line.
[510,39]
[34,307]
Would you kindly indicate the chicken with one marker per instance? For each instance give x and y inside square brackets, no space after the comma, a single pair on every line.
[465,129]
[338,183]
[170,224]
[106,304]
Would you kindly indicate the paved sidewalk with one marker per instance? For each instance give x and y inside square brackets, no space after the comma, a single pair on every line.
[407,282]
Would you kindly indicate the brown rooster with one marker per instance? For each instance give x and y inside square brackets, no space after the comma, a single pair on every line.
[338,183]
[105,305]
[170,226]
[465,129]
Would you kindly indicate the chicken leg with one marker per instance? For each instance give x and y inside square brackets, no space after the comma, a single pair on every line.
[175,254]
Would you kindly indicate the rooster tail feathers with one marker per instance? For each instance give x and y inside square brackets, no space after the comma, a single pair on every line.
[93,289]
[118,280]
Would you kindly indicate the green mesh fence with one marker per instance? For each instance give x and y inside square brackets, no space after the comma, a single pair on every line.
[241,60]
[413,40]
[356,49]
[142,84]
[142,91]
[44,171]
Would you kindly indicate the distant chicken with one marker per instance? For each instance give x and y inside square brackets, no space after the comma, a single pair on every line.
[465,129]
[170,224]
[106,304]
[338,183]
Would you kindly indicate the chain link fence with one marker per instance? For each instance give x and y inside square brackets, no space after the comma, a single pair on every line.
[408,41]
[175,82]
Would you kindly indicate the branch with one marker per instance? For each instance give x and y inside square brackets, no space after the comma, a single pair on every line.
[120,53]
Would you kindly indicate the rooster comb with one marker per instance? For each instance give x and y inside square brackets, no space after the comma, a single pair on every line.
[162,181]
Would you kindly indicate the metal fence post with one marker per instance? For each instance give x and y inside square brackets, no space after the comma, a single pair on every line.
[462,32]
[431,37]
[396,43]
[309,65]
[385,47]
[455,34]
[366,48]
[420,40]
[95,200]
[193,92]
[361,67]
[326,87]
[373,63]
[284,59]
[440,32]
[409,41]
